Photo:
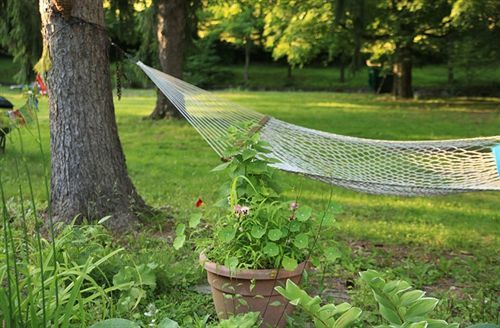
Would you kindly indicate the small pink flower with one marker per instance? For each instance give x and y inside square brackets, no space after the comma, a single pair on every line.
[293,206]
[237,209]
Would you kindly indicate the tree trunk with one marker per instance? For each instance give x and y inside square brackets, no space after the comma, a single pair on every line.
[289,72]
[248,45]
[171,30]
[402,71]
[451,75]
[342,71]
[89,176]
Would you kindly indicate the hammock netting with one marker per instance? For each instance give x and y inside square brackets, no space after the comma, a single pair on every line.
[409,168]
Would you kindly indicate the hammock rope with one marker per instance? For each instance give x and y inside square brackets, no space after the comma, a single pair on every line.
[408,168]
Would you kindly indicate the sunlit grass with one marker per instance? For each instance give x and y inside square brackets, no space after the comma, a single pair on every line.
[170,163]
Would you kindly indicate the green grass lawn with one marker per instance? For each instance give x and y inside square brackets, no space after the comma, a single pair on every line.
[273,77]
[170,165]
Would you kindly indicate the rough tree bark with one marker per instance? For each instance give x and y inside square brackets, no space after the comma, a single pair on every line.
[402,70]
[171,30]
[89,176]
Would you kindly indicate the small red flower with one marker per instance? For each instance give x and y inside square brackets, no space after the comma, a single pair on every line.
[199,203]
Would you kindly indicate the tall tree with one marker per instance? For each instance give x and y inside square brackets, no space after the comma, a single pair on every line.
[171,34]
[400,28]
[473,24]
[237,22]
[298,31]
[20,35]
[89,176]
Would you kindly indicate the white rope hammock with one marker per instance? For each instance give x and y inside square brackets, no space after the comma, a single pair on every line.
[407,168]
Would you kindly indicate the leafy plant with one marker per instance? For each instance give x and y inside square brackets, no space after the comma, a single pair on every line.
[132,281]
[401,305]
[254,226]
[326,316]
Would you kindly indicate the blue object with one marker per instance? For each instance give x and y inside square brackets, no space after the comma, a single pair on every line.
[496,155]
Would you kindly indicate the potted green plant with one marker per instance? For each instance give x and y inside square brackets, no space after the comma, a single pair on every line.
[259,238]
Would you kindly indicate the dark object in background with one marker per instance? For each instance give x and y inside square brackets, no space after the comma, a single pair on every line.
[4,130]
[380,83]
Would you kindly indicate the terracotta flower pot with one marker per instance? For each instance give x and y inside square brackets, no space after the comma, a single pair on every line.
[245,290]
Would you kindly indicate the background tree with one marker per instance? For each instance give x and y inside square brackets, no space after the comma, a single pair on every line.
[89,176]
[298,31]
[20,35]
[399,29]
[237,22]
[171,35]
[472,26]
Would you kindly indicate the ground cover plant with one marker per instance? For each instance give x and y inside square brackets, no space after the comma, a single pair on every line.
[446,245]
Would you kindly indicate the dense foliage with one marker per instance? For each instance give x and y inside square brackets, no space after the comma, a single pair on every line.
[344,33]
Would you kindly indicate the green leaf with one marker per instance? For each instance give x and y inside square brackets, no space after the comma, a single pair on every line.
[295,226]
[221,167]
[227,234]
[332,254]
[257,231]
[411,296]
[289,263]
[115,323]
[232,263]
[146,274]
[194,220]
[179,230]
[421,308]
[303,213]
[271,249]
[346,319]
[179,241]
[274,234]
[301,240]
[248,153]
[275,303]
[432,323]
[421,324]
[390,315]
[168,323]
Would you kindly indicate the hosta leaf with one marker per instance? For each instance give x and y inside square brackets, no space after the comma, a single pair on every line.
[347,318]
[301,241]
[303,213]
[421,308]
[421,324]
[432,323]
[257,231]
[289,263]
[390,315]
[271,249]
[274,234]
[115,323]
[411,296]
